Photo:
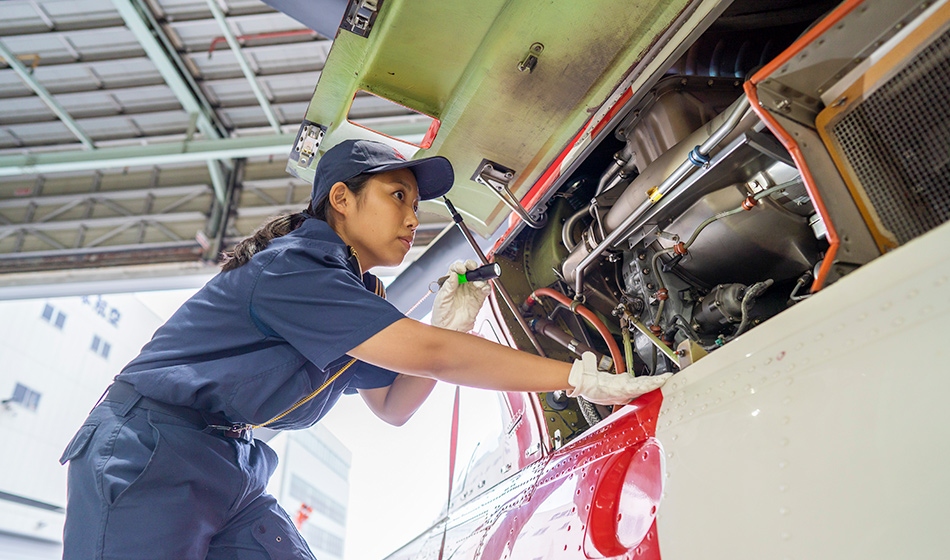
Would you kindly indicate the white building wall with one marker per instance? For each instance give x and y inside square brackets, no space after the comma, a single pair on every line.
[320,463]
[46,347]
[61,367]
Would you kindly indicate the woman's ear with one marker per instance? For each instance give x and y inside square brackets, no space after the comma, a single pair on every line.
[338,198]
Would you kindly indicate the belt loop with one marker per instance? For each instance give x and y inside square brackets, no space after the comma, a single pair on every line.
[129,404]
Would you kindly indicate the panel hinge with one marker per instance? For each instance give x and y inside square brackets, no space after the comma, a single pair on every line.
[308,140]
[360,16]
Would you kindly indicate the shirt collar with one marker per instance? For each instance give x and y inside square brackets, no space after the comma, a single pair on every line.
[313,228]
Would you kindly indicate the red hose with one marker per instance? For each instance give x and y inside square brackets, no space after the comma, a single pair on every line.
[615,354]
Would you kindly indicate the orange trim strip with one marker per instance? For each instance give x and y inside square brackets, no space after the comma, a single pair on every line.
[786,139]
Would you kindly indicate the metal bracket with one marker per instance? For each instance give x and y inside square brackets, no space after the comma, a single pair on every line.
[497,178]
[305,145]
[530,60]
[360,16]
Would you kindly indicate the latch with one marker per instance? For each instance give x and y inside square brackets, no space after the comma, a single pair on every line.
[360,16]
[530,60]
[497,177]
[308,140]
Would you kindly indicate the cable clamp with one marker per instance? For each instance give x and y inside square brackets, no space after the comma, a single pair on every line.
[697,158]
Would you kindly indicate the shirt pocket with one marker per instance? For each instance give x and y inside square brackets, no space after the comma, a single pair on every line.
[79,443]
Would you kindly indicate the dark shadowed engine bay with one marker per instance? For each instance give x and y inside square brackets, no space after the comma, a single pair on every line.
[688,225]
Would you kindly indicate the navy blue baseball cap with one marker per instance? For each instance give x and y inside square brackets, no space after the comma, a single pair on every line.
[350,158]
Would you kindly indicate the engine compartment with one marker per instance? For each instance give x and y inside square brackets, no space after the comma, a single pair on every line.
[688,225]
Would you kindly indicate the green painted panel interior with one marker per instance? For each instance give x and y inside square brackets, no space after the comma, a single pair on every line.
[457,60]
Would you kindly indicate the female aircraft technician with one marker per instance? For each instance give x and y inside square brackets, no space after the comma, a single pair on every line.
[165,466]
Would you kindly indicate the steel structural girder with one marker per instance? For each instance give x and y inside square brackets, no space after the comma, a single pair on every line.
[155,154]
[245,66]
[160,58]
[45,96]
[174,152]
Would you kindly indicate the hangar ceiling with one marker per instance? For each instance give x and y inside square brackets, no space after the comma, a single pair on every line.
[140,137]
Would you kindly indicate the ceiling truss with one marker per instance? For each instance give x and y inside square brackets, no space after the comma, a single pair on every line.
[143,133]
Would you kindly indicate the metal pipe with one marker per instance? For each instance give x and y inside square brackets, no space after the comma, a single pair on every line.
[496,283]
[155,154]
[270,35]
[697,157]
[569,225]
[547,327]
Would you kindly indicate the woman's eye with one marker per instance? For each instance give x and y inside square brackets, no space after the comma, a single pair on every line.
[400,195]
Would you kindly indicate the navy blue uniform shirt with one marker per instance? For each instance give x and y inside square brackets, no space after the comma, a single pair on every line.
[257,339]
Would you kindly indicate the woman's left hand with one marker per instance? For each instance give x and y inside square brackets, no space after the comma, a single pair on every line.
[456,305]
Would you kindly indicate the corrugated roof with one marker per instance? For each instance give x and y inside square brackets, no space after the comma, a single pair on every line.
[128,86]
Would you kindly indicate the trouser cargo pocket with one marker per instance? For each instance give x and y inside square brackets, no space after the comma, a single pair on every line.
[78,444]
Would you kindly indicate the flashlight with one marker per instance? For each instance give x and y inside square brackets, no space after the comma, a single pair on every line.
[487,272]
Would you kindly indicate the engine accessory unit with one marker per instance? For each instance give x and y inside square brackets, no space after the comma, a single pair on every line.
[721,307]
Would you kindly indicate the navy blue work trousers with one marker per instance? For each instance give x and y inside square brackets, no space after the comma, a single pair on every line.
[145,484]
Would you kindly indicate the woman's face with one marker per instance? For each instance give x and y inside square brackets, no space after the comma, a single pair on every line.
[380,223]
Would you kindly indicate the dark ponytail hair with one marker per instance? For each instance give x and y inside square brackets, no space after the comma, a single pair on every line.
[283,224]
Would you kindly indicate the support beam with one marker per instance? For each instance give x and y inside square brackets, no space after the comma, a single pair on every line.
[245,66]
[154,154]
[218,181]
[182,152]
[45,96]
[166,67]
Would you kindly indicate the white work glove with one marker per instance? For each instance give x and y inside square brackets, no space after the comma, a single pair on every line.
[456,306]
[601,387]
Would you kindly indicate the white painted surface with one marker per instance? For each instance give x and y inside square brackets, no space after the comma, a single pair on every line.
[823,433]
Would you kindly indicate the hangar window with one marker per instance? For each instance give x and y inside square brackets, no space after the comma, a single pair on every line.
[100,346]
[26,397]
[319,539]
[320,502]
[52,315]
[321,451]
[392,119]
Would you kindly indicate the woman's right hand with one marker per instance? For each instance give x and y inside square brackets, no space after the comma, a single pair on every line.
[456,305]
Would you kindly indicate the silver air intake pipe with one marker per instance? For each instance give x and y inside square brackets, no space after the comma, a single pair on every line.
[628,212]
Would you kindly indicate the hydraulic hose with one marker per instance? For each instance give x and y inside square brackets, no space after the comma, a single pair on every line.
[753,292]
[615,354]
